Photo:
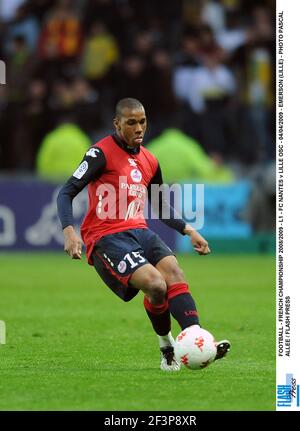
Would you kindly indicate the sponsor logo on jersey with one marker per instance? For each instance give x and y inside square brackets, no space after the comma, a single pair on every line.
[136,175]
[122,267]
[137,190]
[132,163]
[81,170]
[92,152]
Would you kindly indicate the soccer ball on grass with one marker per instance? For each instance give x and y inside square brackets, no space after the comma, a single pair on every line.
[195,348]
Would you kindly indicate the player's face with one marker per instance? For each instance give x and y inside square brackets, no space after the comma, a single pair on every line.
[131,126]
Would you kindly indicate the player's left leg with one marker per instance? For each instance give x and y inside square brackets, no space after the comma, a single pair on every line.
[181,303]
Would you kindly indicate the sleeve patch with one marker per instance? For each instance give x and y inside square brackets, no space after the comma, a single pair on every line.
[81,170]
[92,152]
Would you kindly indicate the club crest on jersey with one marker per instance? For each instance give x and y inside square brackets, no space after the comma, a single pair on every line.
[122,267]
[136,175]
[92,152]
[132,163]
[81,170]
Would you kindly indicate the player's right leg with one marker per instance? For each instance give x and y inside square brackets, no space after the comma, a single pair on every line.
[150,281]
[120,262]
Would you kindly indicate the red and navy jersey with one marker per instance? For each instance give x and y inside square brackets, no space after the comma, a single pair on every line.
[119,180]
[117,198]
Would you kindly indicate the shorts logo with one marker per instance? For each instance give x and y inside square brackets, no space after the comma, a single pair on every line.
[136,175]
[122,267]
[81,170]
[92,152]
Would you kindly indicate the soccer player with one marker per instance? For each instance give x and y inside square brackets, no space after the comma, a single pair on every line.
[127,255]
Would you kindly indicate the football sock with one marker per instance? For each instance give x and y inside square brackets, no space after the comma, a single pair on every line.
[159,316]
[165,340]
[182,305]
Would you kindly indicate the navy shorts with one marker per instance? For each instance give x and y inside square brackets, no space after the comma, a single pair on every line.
[117,256]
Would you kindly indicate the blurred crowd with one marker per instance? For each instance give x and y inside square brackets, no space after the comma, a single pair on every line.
[205,67]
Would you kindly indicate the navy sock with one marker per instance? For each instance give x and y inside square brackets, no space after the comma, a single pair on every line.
[161,321]
[183,309]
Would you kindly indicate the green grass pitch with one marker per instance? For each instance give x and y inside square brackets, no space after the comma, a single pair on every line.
[73,345]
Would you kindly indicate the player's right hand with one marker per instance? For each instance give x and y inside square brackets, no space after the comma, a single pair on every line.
[73,244]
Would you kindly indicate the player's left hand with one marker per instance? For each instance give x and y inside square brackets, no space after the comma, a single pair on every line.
[199,243]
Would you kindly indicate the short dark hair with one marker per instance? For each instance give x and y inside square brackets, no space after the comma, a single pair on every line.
[127,103]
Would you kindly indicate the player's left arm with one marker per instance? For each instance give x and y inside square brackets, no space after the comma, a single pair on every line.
[174,221]
[165,211]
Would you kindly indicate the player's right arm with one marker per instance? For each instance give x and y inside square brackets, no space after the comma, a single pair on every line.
[90,168]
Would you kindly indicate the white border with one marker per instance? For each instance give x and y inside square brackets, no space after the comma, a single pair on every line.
[291,141]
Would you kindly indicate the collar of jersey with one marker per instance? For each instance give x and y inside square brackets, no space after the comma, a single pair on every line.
[122,144]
